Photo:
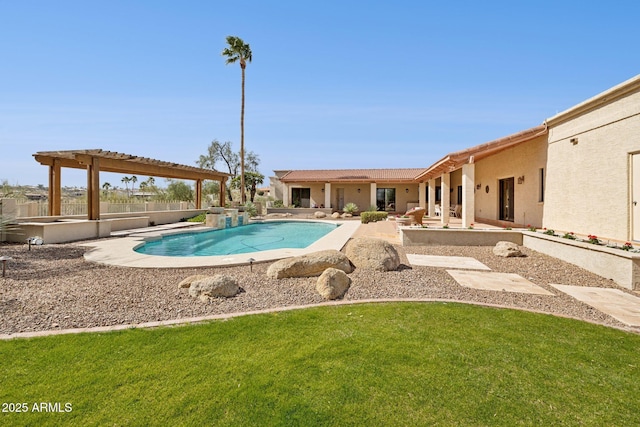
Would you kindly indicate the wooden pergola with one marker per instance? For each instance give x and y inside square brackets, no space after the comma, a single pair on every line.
[97,160]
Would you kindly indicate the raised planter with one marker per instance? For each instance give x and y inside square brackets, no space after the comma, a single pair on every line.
[622,267]
[457,237]
[403,222]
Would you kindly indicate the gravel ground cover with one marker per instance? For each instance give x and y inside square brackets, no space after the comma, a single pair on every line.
[52,287]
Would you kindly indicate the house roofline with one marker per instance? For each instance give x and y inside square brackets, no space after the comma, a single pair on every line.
[608,96]
[455,160]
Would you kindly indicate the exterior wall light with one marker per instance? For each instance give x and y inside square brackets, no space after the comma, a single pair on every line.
[358,190]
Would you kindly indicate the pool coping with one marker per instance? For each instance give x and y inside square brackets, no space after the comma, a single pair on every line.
[120,251]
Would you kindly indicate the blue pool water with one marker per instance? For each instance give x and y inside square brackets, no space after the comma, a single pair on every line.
[253,237]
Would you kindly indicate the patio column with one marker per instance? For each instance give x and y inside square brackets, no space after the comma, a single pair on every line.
[468,198]
[432,198]
[422,194]
[445,180]
[327,194]
[373,195]
[285,195]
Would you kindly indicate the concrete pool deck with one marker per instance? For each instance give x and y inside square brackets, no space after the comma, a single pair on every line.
[120,251]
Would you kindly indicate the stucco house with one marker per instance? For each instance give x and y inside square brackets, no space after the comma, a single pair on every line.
[578,171]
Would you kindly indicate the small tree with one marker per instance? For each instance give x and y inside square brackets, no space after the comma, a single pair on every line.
[179,190]
[218,152]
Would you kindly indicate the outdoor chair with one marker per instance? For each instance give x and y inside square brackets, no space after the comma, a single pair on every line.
[416,215]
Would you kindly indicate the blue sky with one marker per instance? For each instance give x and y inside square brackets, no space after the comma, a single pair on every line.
[332,85]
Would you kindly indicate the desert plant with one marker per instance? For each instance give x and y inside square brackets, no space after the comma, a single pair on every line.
[278,204]
[350,208]
[251,209]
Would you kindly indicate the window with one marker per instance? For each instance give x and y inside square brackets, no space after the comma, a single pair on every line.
[386,199]
[438,194]
[541,189]
[301,197]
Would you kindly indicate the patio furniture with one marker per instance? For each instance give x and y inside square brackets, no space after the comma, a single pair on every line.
[416,215]
[437,210]
[455,211]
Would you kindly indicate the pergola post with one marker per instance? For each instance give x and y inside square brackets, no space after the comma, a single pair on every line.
[198,193]
[55,188]
[93,189]
[223,189]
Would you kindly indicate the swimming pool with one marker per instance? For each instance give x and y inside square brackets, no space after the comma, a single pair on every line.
[254,237]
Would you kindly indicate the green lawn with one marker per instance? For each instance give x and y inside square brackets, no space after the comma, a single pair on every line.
[378,364]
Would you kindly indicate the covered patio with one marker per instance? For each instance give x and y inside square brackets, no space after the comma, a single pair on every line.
[97,160]
[461,165]
[391,190]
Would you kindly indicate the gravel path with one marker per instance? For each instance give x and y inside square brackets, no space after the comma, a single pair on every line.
[52,287]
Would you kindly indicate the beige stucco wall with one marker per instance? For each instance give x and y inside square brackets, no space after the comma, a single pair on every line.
[363,198]
[588,189]
[524,159]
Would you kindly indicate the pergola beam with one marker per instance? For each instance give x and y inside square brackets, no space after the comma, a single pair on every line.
[96,161]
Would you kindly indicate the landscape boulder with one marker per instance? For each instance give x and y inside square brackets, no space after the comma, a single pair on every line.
[220,285]
[189,280]
[320,214]
[373,254]
[333,283]
[507,249]
[335,215]
[309,265]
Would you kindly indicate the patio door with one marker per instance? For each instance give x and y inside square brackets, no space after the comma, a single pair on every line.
[339,198]
[635,196]
[506,199]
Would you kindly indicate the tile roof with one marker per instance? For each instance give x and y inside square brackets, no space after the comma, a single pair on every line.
[353,175]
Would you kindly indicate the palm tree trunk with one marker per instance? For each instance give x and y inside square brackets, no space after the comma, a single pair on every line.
[242,195]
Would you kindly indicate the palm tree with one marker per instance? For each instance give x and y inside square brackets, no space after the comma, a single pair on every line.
[239,51]
[106,186]
[126,180]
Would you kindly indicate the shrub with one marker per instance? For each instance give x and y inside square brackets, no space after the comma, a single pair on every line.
[278,204]
[350,208]
[367,217]
[198,218]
